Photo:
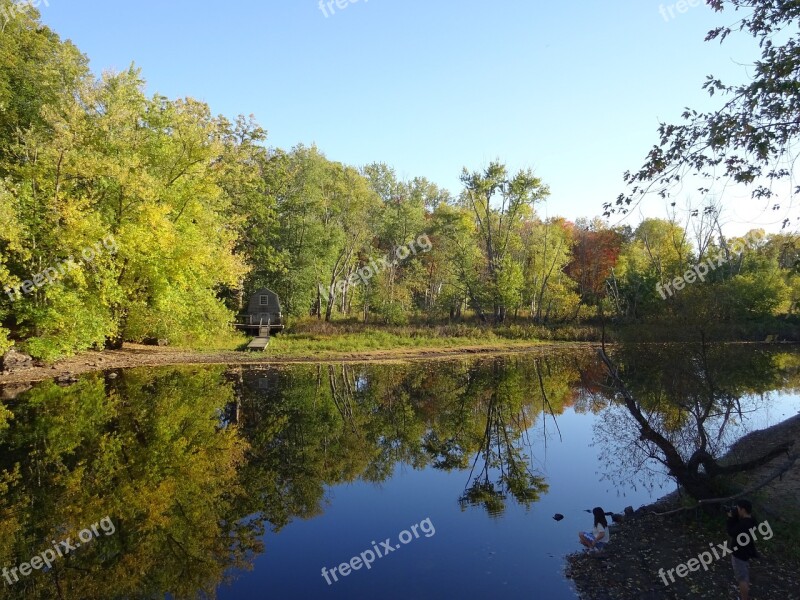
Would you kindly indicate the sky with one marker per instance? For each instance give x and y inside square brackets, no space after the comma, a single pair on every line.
[573,90]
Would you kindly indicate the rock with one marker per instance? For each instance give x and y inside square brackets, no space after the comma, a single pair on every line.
[112,375]
[617,518]
[66,379]
[558,516]
[150,341]
[628,511]
[11,391]
[14,360]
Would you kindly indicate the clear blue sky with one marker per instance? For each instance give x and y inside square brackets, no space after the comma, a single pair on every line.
[573,90]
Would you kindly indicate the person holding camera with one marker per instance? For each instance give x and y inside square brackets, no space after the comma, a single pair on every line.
[741,523]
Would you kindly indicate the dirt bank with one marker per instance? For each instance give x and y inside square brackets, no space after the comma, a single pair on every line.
[646,543]
[134,355]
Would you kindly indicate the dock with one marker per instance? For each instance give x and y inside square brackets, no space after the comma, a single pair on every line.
[261,341]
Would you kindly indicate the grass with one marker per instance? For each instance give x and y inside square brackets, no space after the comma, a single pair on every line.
[311,337]
[310,344]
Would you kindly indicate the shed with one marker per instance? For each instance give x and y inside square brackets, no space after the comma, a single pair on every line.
[263,309]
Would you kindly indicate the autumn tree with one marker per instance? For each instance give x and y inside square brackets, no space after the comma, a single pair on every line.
[597,249]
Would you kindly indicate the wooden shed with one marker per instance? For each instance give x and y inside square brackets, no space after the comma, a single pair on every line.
[263,309]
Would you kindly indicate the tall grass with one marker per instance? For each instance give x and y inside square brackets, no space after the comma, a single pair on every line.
[313,338]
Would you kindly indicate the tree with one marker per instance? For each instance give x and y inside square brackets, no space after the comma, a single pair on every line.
[37,69]
[546,251]
[597,249]
[454,262]
[751,138]
[658,252]
[399,221]
[514,198]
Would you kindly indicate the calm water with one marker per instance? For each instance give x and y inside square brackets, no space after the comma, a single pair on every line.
[246,483]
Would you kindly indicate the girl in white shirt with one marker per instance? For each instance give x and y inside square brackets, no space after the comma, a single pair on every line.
[600,536]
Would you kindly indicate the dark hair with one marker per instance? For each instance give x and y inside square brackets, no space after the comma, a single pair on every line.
[746,505]
[599,517]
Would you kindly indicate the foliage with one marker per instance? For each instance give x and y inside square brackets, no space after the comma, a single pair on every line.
[195,212]
[750,139]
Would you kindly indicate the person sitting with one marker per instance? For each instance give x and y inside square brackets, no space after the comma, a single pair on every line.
[600,536]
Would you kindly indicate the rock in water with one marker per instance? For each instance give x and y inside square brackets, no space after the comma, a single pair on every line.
[558,516]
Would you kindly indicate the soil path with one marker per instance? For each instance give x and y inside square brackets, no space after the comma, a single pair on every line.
[134,355]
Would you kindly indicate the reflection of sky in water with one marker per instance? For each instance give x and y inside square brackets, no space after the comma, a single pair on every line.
[516,555]
[472,555]
[764,411]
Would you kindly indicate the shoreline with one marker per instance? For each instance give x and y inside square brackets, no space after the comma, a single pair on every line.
[136,355]
[645,543]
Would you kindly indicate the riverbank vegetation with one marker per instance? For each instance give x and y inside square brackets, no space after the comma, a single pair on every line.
[128,217]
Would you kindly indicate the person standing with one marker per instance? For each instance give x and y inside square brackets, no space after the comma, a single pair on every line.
[740,527]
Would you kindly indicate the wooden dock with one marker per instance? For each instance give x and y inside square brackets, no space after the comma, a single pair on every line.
[261,341]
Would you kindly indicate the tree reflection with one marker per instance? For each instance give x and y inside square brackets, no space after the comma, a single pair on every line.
[145,449]
[684,405]
[194,464]
[318,426]
[501,453]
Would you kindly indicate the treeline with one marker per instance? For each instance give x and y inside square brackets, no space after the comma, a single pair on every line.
[185,213]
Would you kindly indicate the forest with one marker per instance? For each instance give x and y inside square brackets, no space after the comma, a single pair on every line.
[126,216]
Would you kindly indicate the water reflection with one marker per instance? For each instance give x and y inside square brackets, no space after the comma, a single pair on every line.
[145,448]
[682,406]
[195,464]
[317,426]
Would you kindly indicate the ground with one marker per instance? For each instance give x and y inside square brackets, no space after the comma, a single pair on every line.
[135,355]
[642,545]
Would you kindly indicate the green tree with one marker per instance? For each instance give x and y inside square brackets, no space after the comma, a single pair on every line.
[497,224]
[750,138]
